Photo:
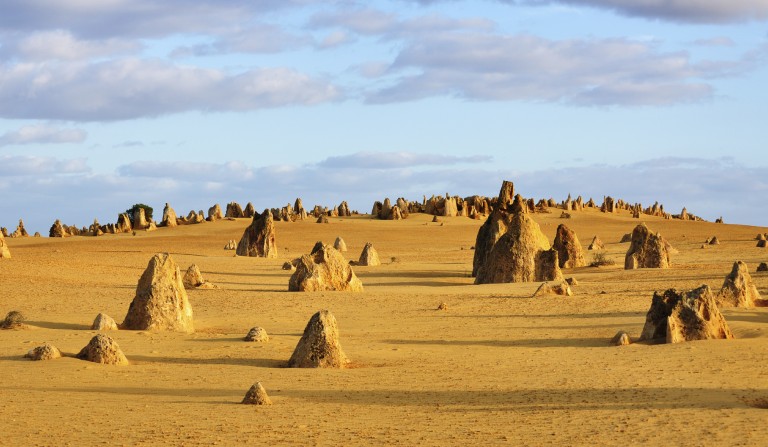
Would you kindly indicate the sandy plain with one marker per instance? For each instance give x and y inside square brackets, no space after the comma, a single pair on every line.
[496,368]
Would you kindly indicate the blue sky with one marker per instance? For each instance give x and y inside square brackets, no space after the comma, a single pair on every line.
[107,103]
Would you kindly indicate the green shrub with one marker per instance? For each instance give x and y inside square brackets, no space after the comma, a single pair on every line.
[599,259]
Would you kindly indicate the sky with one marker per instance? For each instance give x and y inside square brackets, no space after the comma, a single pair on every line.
[107,103]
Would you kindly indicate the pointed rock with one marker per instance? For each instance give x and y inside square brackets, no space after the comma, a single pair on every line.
[5,253]
[762,267]
[369,256]
[738,289]
[319,345]
[648,250]
[339,244]
[192,278]
[259,238]
[325,269]
[596,244]
[569,251]
[256,395]
[103,349]
[684,316]
[169,217]
[161,302]
[621,339]
[522,254]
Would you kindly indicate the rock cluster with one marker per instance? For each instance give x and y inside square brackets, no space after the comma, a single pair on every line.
[325,269]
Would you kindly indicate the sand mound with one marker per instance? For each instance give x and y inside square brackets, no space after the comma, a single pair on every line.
[161,302]
[319,345]
[103,349]
[103,322]
[5,253]
[325,269]
[647,250]
[369,256]
[339,244]
[569,251]
[257,334]
[256,395]
[738,289]
[45,351]
[522,254]
[259,238]
[684,316]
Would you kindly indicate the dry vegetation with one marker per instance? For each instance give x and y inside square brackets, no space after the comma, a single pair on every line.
[495,367]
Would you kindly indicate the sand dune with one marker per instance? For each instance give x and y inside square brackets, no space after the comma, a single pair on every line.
[496,368]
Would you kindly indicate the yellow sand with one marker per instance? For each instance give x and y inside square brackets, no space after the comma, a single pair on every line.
[496,368]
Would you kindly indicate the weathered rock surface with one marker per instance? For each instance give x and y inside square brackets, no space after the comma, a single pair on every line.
[103,322]
[738,289]
[522,254]
[259,237]
[319,345]
[256,395]
[675,317]
[569,251]
[46,351]
[57,230]
[369,256]
[103,349]
[340,245]
[647,250]
[596,244]
[169,217]
[5,252]
[257,334]
[325,269]
[621,339]
[161,303]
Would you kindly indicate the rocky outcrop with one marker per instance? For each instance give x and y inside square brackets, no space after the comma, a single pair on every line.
[369,256]
[103,322]
[249,211]
[214,213]
[569,251]
[340,245]
[562,289]
[123,223]
[319,345]
[234,210]
[5,252]
[161,303]
[256,395]
[259,238]
[103,349]
[325,269]
[57,230]
[20,230]
[193,279]
[647,250]
[169,217]
[494,226]
[139,219]
[343,210]
[738,289]
[676,317]
[45,351]
[522,254]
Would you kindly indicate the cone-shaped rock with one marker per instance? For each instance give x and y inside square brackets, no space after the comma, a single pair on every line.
[684,316]
[45,351]
[257,334]
[339,244]
[596,244]
[124,223]
[103,322]
[621,339]
[192,278]
[325,269]
[487,236]
[558,289]
[762,267]
[249,210]
[259,238]
[319,345]
[103,349]
[738,289]
[161,302]
[214,213]
[257,395]
[569,251]
[140,219]
[5,253]
[647,250]
[369,256]
[522,254]
[169,217]
[57,230]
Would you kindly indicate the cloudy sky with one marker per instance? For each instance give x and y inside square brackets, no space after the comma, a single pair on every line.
[105,103]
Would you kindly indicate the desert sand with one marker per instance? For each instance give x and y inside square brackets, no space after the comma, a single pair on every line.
[496,367]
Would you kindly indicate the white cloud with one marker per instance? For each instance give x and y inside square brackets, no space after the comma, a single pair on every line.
[42,134]
[133,88]
[63,45]
[26,166]
[483,66]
